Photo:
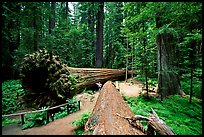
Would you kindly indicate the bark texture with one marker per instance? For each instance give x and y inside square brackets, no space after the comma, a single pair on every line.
[112,116]
[104,119]
[99,46]
[168,83]
[50,82]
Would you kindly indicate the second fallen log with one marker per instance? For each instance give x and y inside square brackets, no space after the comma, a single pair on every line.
[50,82]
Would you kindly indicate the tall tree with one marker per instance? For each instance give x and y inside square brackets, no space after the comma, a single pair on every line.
[52,18]
[35,27]
[99,43]
[10,36]
[67,15]
[169,82]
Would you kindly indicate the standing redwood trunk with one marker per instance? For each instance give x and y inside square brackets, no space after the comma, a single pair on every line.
[52,18]
[168,81]
[35,28]
[126,61]
[99,43]
[67,15]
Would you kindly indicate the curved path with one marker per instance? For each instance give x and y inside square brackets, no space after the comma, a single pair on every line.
[64,126]
[61,126]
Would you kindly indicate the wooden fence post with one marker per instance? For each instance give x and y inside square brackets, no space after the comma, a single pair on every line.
[47,116]
[22,119]
[79,104]
[67,109]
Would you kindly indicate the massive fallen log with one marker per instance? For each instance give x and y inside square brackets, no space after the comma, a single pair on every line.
[104,121]
[49,82]
[112,116]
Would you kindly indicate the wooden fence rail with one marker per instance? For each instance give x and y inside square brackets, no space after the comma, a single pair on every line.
[47,111]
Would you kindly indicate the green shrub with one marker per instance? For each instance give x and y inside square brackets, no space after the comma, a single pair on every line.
[11,92]
[184,118]
[7,121]
[88,91]
[35,119]
[80,123]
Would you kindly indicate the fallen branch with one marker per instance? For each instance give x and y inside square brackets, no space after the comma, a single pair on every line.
[158,125]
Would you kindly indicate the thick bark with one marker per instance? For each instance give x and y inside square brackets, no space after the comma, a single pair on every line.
[99,43]
[112,116]
[168,81]
[49,82]
[104,119]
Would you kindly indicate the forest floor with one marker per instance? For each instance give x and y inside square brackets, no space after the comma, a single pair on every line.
[64,126]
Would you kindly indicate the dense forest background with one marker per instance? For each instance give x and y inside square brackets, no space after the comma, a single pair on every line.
[156,39]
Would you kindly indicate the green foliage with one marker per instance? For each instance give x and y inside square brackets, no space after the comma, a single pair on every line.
[186,83]
[11,89]
[152,82]
[80,123]
[35,119]
[73,107]
[177,113]
[7,121]
[140,78]
[61,114]
[88,91]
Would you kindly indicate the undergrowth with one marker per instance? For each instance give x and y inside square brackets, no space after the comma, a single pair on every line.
[184,118]
[80,123]
[11,103]
[11,92]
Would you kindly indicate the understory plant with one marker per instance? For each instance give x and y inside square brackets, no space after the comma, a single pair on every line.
[80,123]
[11,96]
[176,111]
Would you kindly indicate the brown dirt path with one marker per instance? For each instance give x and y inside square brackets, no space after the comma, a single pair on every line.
[131,90]
[64,126]
[61,126]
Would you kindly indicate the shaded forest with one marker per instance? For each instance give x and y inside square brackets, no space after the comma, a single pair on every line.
[52,51]
[157,40]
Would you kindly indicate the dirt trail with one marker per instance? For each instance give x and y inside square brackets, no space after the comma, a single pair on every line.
[63,126]
[131,90]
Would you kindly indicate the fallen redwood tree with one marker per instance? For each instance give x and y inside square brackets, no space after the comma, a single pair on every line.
[112,116]
[49,82]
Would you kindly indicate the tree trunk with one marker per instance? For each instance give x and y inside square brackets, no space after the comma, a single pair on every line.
[99,46]
[104,119]
[35,28]
[126,61]
[49,82]
[192,59]
[52,18]
[168,81]
[145,58]
[66,15]
[158,125]
[112,116]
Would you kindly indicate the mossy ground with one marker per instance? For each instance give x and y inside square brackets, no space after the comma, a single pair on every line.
[184,118]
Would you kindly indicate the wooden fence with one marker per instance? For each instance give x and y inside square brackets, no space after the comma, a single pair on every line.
[48,111]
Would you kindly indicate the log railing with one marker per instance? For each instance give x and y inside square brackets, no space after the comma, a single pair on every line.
[48,111]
